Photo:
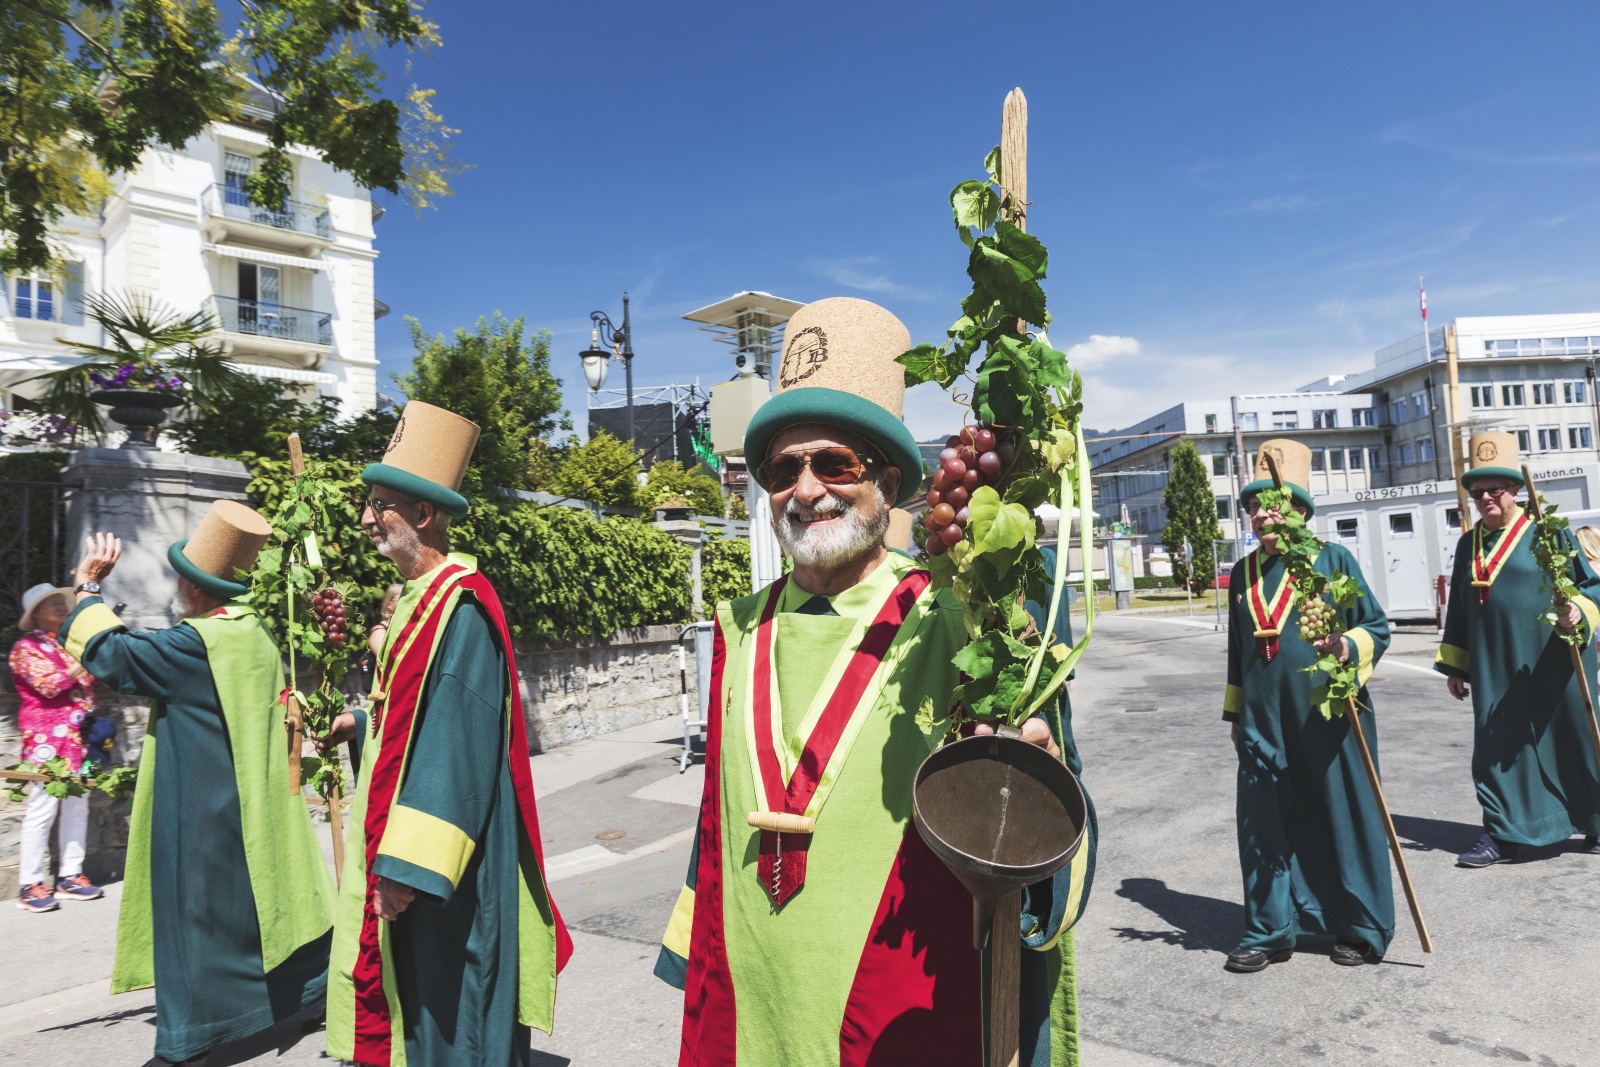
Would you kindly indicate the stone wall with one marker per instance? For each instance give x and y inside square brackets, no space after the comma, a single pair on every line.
[569,692]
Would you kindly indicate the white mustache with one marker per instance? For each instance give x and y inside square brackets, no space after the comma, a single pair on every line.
[795,511]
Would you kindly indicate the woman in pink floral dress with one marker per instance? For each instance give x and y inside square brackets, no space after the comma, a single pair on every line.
[57,697]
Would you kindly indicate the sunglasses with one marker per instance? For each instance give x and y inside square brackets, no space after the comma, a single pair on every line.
[1489,490]
[379,507]
[834,465]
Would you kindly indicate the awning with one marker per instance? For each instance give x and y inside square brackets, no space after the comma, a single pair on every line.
[273,259]
[288,374]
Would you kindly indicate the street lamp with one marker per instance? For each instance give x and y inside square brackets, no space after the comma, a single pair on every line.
[596,359]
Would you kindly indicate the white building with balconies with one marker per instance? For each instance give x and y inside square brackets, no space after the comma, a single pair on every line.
[291,290]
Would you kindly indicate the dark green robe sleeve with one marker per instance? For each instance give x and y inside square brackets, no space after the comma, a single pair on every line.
[1452,658]
[1364,623]
[151,663]
[1239,631]
[458,749]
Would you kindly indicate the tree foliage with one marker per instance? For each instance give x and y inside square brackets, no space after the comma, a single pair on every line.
[724,570]
[86,86]
[1192,517]
[602,470]
[668,479]
[260,414]
[499,377]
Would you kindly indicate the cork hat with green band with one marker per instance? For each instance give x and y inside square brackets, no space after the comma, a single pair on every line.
[1492,455]
[427,457]
[1294,467]
[839,369]
[222,552]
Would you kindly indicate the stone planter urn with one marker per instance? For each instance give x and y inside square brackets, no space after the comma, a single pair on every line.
[139,411]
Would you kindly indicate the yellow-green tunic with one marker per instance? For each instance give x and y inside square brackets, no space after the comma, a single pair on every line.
[227,904]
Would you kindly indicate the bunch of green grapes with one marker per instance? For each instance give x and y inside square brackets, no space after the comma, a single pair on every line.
[1317,619]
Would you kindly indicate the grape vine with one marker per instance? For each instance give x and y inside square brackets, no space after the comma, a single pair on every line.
[1553,549]
[1026,450]
[1318,595]
[60,781]
[295,587]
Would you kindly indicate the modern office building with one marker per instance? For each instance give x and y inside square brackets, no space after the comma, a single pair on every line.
[291,289]
[1130,465]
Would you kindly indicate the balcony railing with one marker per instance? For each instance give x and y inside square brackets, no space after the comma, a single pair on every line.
[275,320]
[231,201]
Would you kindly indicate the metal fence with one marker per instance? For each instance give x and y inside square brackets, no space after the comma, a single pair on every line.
[32,524]
[1224,554]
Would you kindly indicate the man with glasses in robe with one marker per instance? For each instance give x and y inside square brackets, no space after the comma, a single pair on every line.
[1532,759]
[837,938]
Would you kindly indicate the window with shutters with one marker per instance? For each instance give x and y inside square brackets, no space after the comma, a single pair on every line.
[235,173]
[1375,459]
[35,297]
[1424,450]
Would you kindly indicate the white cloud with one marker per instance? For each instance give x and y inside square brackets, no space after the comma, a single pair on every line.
[1100,349]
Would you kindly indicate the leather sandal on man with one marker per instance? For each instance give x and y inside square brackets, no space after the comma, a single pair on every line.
[1486,853]
[1353,953]
[1250,960]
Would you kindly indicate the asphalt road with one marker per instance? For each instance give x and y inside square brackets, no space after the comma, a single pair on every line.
[1513,978]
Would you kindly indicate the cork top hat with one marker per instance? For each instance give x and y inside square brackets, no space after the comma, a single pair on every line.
[427,457]
[1294,467]
[1492,455]
[228,540]
[838,369]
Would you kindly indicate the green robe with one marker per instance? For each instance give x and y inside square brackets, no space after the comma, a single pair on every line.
[872,960]
[1532,758]
[1312,847]
[227,903]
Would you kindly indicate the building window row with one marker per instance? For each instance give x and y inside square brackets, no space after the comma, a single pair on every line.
[1538,394]
[1544,346]
[1552,438]
[43,297]
[1406,408]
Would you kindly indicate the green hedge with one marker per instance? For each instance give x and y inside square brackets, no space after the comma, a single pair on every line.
[561,572]
[1148,581]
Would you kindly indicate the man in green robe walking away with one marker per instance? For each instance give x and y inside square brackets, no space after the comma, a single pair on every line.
[1311,838]
[227,905]
[836,938]
[1532,758]
[446,944]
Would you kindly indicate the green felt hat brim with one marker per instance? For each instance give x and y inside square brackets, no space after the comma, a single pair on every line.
[847,411]
[1491,472]
[210,583]
[446,500]
[1300,495]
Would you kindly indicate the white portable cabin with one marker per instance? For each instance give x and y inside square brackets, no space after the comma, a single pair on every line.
[1404,536]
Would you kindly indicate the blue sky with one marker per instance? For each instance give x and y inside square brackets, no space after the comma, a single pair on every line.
[1237,197]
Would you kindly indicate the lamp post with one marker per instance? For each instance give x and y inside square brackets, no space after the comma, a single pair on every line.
[597,359]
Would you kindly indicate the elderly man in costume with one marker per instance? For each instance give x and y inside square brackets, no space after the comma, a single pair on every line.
[447,943]
[850,944]
[1311,837]
[1532,759]
[227,906]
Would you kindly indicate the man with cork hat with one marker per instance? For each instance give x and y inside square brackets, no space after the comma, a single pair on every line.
[1311,837]
[1532,760]
[227,905]
[816,928]
[446,943]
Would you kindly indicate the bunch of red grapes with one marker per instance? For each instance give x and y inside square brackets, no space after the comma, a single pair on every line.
[329,608]
[971,459]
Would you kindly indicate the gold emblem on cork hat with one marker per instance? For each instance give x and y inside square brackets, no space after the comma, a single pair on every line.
[428,457]
[1493,454]
[227,541]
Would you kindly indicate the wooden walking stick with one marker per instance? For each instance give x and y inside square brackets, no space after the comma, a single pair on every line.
[1537,508]
[1353,717]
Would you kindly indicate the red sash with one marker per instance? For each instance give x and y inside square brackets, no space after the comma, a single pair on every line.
[1486,570]
[399,692]
[780,863]
[1267,615]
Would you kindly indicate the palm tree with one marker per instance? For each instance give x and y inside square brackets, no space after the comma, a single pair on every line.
[149,345]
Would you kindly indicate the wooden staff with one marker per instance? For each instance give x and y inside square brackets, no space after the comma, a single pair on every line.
[26,776]
[294,717]
[1353,717]
[1005,941]
[1577,656]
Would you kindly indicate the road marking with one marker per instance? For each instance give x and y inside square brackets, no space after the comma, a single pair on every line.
[1407,667]
[597,857]
[1169,622]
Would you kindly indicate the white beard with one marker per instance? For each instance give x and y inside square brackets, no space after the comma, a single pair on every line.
[856,531]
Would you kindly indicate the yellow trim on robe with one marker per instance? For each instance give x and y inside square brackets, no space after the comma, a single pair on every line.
[1069,916]
[1361,643]
[92,621]
[1453,656]
[427,841]
[1233,699]
[680,925]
